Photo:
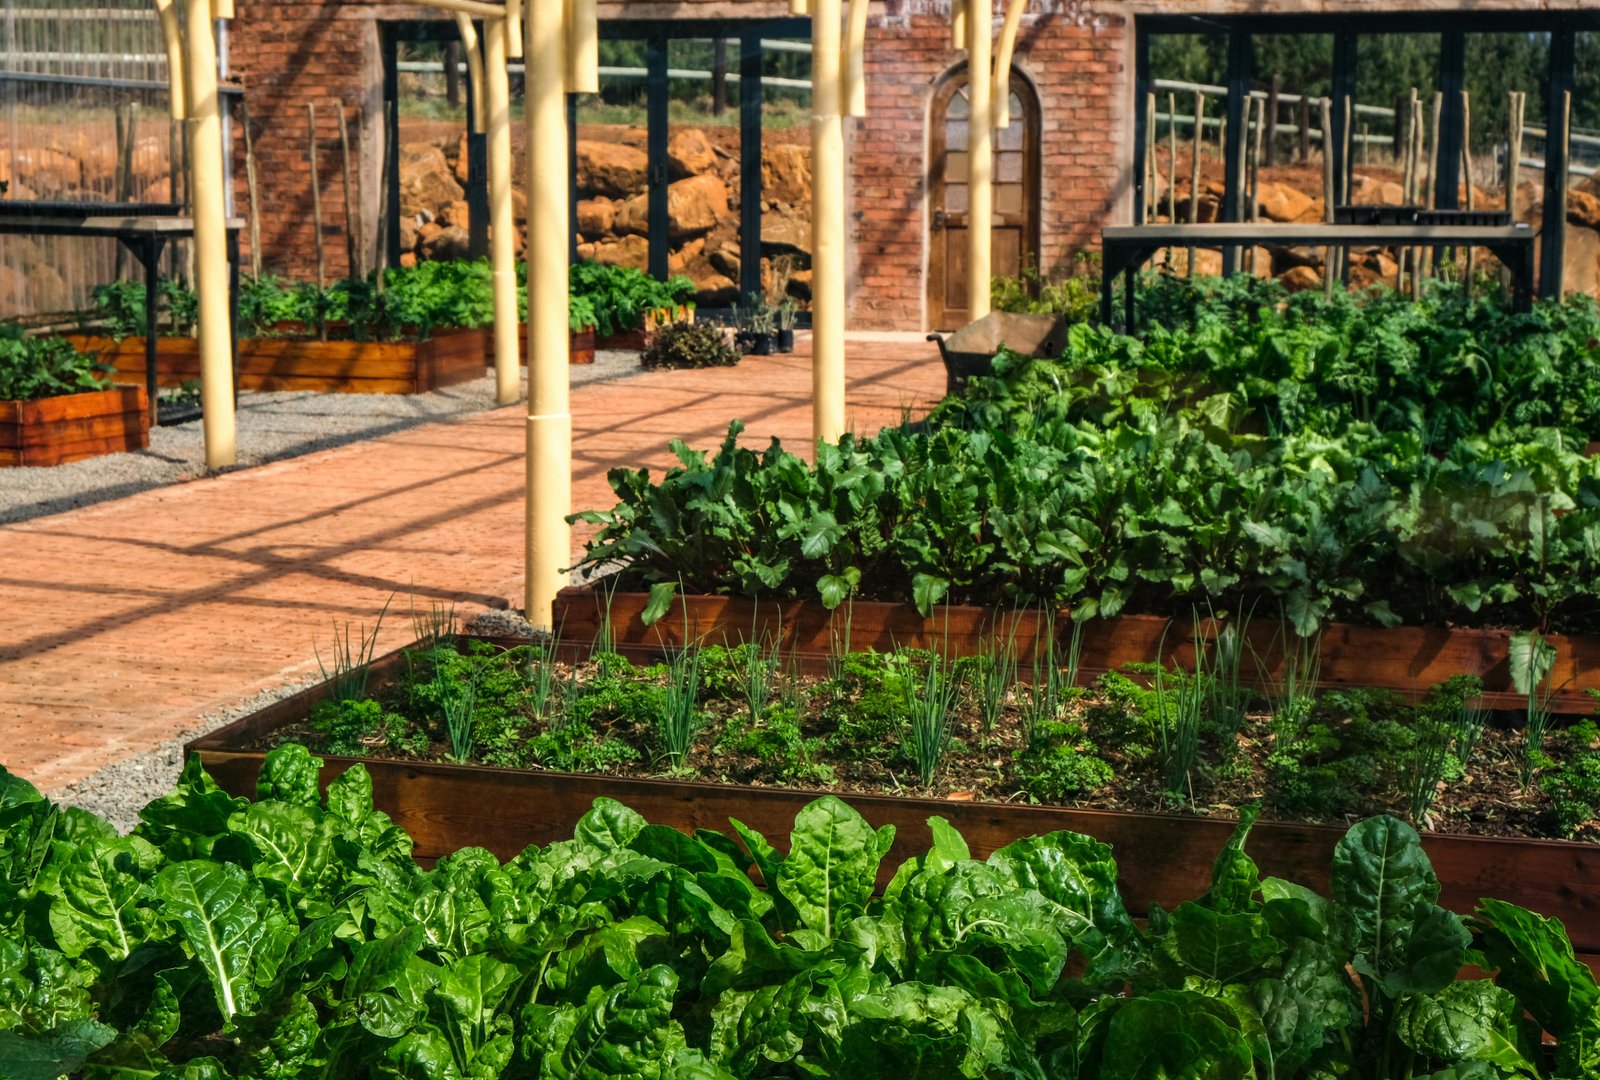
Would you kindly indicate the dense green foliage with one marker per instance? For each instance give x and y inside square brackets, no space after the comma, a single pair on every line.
[414,302]
[690,345]
[622,296]
[37,367]
[1363,459]
[294,937]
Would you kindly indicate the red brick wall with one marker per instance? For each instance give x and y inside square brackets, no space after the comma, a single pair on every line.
[286,55]
[1078,68]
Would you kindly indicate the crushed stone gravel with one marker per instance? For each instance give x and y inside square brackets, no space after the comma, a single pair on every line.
[271,427]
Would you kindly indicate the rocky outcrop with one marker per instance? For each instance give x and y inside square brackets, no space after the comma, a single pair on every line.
[611,169]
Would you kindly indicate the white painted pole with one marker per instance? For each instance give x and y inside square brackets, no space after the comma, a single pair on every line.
[827,222]
[980,147]
[207,185]
[549,442]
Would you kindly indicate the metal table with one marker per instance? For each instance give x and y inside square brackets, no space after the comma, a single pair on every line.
[1125,248]
[144,229]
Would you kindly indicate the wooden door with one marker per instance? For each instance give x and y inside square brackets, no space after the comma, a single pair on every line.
[1015,229]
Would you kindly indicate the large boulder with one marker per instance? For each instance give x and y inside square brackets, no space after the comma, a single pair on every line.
[596,217]
[455,214]
[611,169]
[1581,252]
[626,251]
[786,173]
[1583,209]
[1282,203]
[695,205]
[1301,279]
[51,173]
[689,153]
[785,232]
[426,180]
[445,245]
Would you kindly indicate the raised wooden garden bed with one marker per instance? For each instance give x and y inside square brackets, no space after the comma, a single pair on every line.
[580,349]
[72,427]
[1163,859]
[446,358]
[1408,660]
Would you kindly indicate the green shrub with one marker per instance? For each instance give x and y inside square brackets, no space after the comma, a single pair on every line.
[689,345]
[1075,297]
[33,367]
[1059,763]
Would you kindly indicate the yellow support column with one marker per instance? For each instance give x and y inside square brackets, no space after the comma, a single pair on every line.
[549,473]
[207,187]
[827,223]
[502,225]
[980,141]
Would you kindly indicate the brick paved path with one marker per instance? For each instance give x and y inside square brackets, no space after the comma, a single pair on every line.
[127,620]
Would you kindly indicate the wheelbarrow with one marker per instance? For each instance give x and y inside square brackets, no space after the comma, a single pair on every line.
[971,350]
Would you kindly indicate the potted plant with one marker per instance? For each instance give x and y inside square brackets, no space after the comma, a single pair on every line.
[754,322]
[786,312]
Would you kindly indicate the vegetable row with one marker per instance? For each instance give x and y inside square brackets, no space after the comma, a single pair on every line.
[295,937]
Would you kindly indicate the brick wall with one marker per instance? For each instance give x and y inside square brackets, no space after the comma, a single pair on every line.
[286,55]
[1079,69]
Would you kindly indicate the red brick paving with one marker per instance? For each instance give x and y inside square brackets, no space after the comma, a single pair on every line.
[129,619]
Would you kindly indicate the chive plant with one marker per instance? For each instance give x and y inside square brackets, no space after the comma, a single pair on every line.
[1181,698]
[352,660]
[1533,659]
[459,702]
[931,706]
[542,679]
[680,711]
[755,672]
[995,676]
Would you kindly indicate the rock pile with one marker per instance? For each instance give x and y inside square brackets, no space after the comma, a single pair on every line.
[613,211]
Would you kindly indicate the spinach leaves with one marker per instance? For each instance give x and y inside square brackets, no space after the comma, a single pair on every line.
[295,937]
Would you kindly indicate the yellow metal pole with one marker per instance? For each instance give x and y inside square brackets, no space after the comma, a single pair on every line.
[1002,64]
[980,144]
[827,224]
[549,466]
[502,225]
[172,37]
[206,184]
[855,67]
[514,35]
[474,55]
[583,47]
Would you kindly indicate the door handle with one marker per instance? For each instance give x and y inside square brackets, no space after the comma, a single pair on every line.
[938,220]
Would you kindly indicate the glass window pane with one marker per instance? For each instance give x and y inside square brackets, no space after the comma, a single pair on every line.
[956,166]
[703,171]
[613,168]
[786,170]
[955,135]
[955,198]
[1008,198]
[1008,167]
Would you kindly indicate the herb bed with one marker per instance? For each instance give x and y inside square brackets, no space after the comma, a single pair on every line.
[782,763]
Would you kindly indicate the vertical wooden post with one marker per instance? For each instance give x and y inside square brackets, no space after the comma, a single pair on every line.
[1305,129]
[316,208]
[828,215]
[1518,117]
[1151,173]
[352,211]
[1195,146]
[502,222]
[250,190]
[1172,156]
[980,138]
[1466,173]
[1328,191]
[1274,88]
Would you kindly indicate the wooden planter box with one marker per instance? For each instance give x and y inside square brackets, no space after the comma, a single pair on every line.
[1407,660]
[580,349]
[330,367]
[1164,859]
[71,427]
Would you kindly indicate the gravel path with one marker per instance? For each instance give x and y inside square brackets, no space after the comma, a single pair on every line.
[272,426]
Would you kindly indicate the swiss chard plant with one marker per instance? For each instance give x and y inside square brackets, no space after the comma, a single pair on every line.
[35,366]
[294,936]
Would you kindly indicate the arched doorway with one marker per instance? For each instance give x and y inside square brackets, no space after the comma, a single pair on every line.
[1016,195]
